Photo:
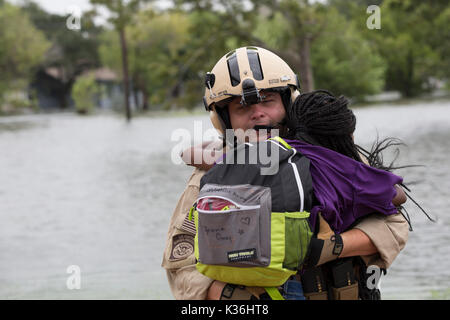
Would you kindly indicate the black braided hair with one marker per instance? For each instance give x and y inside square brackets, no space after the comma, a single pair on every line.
[375,159]
[320,118]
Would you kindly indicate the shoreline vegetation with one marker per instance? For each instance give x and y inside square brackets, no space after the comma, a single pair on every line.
[145,59]
[373,101]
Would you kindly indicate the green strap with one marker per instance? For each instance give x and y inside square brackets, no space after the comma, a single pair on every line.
[273,293]
[297,215]
[280,140]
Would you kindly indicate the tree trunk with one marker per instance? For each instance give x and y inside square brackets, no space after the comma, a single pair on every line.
[65,93]
[62,97]
[126,82]
[145,100]
[305,68]
[135,95]
[409,89]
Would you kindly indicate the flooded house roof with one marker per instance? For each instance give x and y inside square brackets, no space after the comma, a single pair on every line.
[101,74]
[104,74]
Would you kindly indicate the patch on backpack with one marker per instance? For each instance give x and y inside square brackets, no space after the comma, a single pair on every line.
[241,255]
[182,246]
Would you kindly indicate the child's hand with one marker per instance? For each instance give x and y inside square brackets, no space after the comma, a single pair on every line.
[400,197]
[203,156]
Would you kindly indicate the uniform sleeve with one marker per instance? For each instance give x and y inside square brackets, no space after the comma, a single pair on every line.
[178,259]
[389,235]
[187,283]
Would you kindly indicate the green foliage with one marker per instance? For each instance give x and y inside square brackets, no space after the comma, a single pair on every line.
[84,92]
[109,50]
[169,73]
[413,41]
[15,101]
[121,13]
[22,48]
[153,61]
[156,62]
[169,50]
[121,10]
[440,42]
[344,62]
[274,31]
[72,51]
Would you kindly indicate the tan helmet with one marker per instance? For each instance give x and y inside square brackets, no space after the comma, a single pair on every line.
[243,72]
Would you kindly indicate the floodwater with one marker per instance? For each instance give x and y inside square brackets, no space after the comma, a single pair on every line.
[97,193]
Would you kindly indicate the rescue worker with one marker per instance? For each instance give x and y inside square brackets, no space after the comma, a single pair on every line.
[377,239]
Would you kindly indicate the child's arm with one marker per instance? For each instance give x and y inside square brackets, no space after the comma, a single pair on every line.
[400,197]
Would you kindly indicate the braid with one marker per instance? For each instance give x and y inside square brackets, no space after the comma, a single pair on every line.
[320,118]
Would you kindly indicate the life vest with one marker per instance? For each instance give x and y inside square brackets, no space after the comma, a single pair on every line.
[252,228]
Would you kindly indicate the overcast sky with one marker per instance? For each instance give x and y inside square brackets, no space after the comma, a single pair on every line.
[60,6]
[64,7]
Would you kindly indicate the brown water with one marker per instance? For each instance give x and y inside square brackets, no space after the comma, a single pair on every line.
[98,193]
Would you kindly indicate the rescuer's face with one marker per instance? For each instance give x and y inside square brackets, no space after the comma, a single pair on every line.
[269,112]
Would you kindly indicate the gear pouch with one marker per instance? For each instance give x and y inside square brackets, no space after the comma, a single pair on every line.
[240,240]
[233,224]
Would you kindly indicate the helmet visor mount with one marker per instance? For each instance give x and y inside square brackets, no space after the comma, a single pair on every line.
[250,97]
[250,94]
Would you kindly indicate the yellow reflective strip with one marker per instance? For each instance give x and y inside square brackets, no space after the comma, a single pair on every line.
[280,140]
[274,293]
[297,215]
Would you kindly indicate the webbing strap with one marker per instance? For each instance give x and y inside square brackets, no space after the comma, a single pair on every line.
[273,293]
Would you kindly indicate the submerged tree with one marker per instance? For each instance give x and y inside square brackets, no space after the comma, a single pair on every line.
[84,91]
[122,12]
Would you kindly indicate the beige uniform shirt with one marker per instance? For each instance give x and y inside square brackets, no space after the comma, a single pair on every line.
[179,260]
[388,233]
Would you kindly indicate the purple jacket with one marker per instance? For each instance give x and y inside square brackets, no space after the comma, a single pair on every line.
[346,189]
